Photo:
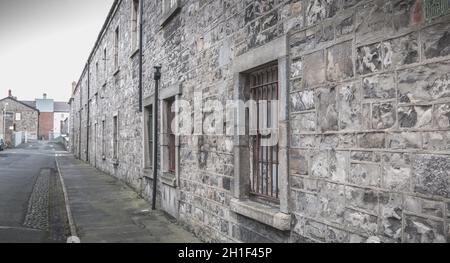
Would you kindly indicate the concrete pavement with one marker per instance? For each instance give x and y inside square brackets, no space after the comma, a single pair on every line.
[105,210]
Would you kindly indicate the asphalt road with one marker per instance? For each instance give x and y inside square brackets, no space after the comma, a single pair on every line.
[31,200]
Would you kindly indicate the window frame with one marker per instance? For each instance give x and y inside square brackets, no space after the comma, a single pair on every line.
[169,12]
[115,138]
[116,49]
[148,134]
[135,25]
[18,118]
[275,215]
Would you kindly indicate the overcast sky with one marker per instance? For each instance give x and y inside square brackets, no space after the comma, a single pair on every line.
[44,44]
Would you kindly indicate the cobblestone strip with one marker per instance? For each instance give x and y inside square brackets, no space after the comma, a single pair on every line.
[37,214]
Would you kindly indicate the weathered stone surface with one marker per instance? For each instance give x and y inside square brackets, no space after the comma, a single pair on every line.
[432,175]
[419,117]
[406,13]
[369,59]
[320,9]
[405,140]
[442,116]
[373,20]
[436,141]
[314,73]
[364,222]
[391,206]
[379,87]
[302,101]
[366,116]
[362,156]
[298,162]
[400,51]
[305,122]
[384,115]
[422,206]
[320,166]
[397,172]
[332,197]
[296,68]
[436,41]
[421,230]
[365,175]
[372,140]
[304,141]
[339,62]
[345,24]
[424,83]
[362,199]
[338,166]
[349,107]
[327,109]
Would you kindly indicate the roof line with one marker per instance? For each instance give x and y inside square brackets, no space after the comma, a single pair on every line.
[99,38]
[11,98]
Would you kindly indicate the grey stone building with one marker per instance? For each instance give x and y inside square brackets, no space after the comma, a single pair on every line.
[17,116]
[364,116]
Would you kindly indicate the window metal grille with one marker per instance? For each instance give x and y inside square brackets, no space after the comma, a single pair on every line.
[264,180]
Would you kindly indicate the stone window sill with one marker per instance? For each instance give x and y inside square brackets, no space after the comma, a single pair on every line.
[262,213]
[116,72]
[134,53]
[169,179]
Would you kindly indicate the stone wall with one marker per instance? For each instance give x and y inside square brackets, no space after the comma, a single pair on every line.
[28,122]
[369,115]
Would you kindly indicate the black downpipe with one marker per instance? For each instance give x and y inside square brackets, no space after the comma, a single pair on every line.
[88,111]
[157,78]
[141,30]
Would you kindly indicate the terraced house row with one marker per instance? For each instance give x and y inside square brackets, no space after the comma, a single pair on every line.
[363,91]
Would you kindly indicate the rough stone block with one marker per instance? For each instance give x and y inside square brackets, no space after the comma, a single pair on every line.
[373,20]
[405,140]
[397,172]
[362,156]
[347,141]
[318,10]
[384,115]
[436,40]
[432,175]
[442,116]
[308,204]
[365,175]
[345,24]
[304,141]
[423,206]
[349,107]
[362,221]
[436,141]
[338,166]
[296,68]
[369,59]
[419,117]
[379,87]
[305,122]
[314,69]
[332,198]
[372,140]
[406,13]
[424,83]
[327,109]
[391,207]
[340,64]
[421,230]
[298,162]
[302,101]
[366,116]
[400,51]
[365,199]
[302,41]
[320,166]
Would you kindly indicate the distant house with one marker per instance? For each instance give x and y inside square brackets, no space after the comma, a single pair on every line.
[51,118]
[17,116]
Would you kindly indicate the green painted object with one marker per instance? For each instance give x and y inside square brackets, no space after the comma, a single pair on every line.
[436,8]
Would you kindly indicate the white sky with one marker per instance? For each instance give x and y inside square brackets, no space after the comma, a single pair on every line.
[44,44]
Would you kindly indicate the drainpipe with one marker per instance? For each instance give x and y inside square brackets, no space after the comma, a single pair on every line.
[88,111]
[141,30]
[157,78]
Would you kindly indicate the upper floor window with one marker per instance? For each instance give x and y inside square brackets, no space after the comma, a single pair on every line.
[105,66]
[18,116]
[169,9]
[135,22]
[116,49]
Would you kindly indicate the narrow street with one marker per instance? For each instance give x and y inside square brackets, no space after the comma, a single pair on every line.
[103,209]
[31,200]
